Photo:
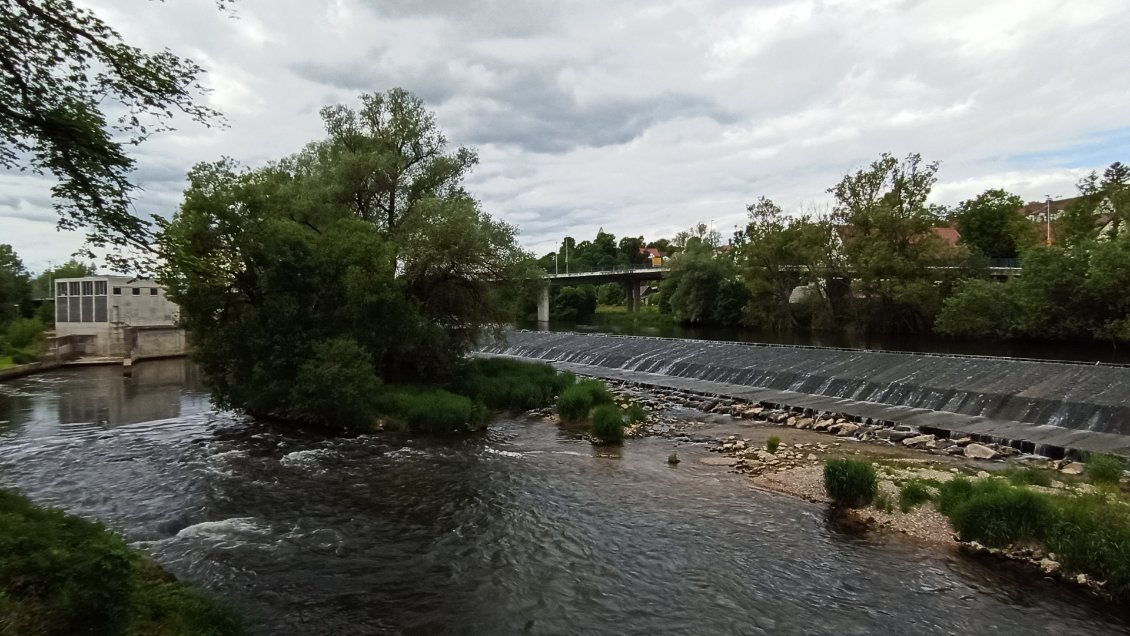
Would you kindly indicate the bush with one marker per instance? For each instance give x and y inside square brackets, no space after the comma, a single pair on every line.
[953,493]
[63,575]
[607,424]
[772,444]
[883,502]
[501,383]
[336,386]
[850,482]
[429,410]
[635,413]
[913,493]
[1027,476]
[1093,536]
[1105,469]
[576,402]
[997,514]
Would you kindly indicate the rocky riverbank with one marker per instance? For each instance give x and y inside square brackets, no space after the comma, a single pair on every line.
[738,434]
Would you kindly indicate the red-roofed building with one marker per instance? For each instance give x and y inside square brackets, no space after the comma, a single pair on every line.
[654,256]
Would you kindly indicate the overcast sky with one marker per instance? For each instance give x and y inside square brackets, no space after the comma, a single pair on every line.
[646,117]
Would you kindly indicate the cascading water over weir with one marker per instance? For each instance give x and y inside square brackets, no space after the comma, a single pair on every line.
[1036,403]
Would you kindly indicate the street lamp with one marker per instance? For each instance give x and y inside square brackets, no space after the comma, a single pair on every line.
[555,272]
[1048,214]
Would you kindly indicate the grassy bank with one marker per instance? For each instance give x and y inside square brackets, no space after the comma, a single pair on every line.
[60,574]
[617,315]
[1081,523]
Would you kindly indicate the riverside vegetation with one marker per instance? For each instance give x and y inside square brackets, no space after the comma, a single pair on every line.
[63,575]
[875,264]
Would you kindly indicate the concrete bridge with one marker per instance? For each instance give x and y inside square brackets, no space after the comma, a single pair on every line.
[628,277]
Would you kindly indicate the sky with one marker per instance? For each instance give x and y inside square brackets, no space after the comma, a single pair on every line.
[643,118]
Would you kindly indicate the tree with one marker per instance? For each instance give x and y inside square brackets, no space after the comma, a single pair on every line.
[41,286]
[74,97]
[694,283]
[336,249]
[629,248]
[991,224]
[886,228]
[15,286]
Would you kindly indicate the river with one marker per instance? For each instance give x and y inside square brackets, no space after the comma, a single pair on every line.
[526,529]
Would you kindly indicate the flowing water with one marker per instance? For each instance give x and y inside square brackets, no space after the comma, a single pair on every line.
[527,529]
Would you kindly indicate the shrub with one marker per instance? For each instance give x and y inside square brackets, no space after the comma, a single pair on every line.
[772,444]
[1093,536]
[501,383]
[577,401]
[1104,469]
[997,514]
[429,410]
[850,482]
[913,493]
[1027,476]
[953,493]
[607,424]
[635,413]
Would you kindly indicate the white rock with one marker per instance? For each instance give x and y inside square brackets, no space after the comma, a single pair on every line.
[917,440]
[978,451]
[1074,468]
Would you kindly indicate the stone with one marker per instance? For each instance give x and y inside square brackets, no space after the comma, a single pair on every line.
[964,441]
[846,429]
[791,421]
[954,450]
[1007,451]
[978,451]
[804,422]
[893,435]
[766,456]
[1047,566]
[718,461]
[1074,468]
[1082,579]
[918,440]
[822,425]
[811,457]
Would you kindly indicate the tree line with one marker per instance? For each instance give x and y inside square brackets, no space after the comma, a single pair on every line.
[884,260]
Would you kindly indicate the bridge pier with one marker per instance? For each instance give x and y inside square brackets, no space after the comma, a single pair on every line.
[632,295]
[543,302]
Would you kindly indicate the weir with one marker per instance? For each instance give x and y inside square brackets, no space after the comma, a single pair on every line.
[1045,403]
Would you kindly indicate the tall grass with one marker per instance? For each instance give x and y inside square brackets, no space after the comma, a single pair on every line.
[1104,469]
[62,575]
[1088,533]
[913,493]
[505,384]
[850,483]
[576,402]
[429,410]
[608,424]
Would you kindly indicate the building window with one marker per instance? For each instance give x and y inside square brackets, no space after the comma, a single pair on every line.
[152,291]
[99,288]
[87,288]
[74,289]
[136,291]
[60,289]
[117,291]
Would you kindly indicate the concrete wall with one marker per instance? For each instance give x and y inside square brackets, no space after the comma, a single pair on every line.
[159,342]
[131,303]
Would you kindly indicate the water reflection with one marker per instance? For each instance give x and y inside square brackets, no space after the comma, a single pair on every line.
[103,395]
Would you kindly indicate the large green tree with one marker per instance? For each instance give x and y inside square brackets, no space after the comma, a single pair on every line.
[885,225]
[364,243]
[991,224]
[15,286]
[73,97]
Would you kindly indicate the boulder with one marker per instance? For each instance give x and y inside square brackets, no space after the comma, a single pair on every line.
[804,422]
[979,451]
[917,440]
[823,424]
[1047,566]
[1074,468]
[845,429]
[718,461]
[965,441]
[893,435]
[791,421]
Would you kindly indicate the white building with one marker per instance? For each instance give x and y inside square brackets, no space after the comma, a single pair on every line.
[117,316]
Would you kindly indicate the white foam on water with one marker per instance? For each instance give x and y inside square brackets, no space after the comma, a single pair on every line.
[503,453]
[306,458]
[225,528]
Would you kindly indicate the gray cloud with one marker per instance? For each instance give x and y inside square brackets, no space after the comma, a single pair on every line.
[645,117]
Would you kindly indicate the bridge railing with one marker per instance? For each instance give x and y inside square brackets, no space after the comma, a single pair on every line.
[605,271]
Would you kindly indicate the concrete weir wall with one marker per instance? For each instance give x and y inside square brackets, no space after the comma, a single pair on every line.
[1050,402]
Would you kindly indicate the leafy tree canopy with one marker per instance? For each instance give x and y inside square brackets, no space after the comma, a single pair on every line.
[74,97]
[364,242]
[991,224]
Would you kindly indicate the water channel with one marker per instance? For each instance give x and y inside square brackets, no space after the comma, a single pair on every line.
[524,530]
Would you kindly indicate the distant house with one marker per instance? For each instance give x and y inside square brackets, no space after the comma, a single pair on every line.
[1045,214]
[948,234]
[116,316]
[654,256]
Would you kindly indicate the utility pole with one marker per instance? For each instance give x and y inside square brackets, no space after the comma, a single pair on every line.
[1048,214]
[566,241]
[555,272]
